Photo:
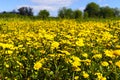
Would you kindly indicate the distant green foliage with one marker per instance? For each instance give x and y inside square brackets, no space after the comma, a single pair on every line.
[92,9]
[65,13]
[77,14]
[44,14]
[85,15]
[106,12]
[68,13]
[25,11]
[117,12]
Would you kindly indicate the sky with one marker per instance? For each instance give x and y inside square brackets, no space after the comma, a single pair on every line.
[53,5]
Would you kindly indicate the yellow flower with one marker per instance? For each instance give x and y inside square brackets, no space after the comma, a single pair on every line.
[19,63]
[49,37]
[109,53]
[116,52]
[6,45]
[85,75]
[76,63]
[104,63]
[100,77]
[37,65]
[117,46]
[80,42]
[87,61]
[20,46]
[103,78]
[77,69]
[54,45]
[9,52]
[42,51]
[110,62]
[76,77]
[97,56]
[68,60]
[117,63]
[7,66]
[75,58]
[66,52]
[85,55]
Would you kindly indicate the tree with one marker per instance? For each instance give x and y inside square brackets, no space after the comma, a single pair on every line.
[85,15]
[44,14]
[77,14]
[61,12]
[65,13]
[25,11]
[69,13]
[92,9]
[116,12]
[106,12]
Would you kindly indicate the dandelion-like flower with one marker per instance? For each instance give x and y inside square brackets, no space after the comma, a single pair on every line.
[117,63]
[37,65]
[104,63]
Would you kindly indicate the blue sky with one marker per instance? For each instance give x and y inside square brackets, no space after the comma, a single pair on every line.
[53,5]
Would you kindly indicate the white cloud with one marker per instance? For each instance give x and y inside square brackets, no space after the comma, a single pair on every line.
[81,8]
[50,5]
[41,7]
[104,5]
[53,2]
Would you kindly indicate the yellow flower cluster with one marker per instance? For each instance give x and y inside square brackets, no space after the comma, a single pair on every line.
[59,49]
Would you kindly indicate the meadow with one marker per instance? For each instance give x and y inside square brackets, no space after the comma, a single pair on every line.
[59,50]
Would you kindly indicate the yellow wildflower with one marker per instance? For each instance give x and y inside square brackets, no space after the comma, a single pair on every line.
[117,46]
[75,58]
[97,56]
[76,63]
[66,52]
[7,66]
[9,52]
[103,78]
[37,65]
[109,53]
[77,69]
[117,63]
[85,75]
[49,37]
[54,45]
[85,55]
[6,45]
[19,63]
[104,63]
[110,62]
[100,77]
[116,52]
[68,60]
[87,61]
[76,77]
[80,42]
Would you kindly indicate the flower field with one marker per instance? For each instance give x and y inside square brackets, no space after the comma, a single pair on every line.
[59,50]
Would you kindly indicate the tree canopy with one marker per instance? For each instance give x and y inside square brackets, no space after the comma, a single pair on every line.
[92,9]
[106,12]
[65,13]
[77,14]
[44,14]
[25,11]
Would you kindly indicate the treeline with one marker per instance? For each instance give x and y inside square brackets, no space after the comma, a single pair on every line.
[92,10]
